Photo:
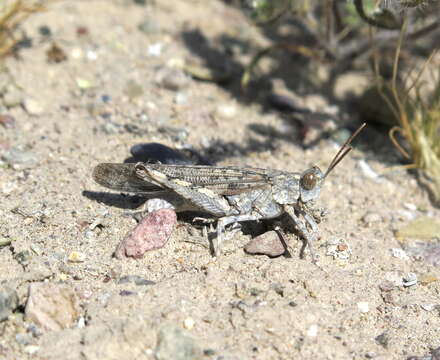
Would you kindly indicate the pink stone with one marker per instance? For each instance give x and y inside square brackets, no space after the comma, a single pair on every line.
[268,244]
[151,233]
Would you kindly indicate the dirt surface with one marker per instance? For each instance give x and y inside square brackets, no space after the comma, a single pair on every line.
[121,86]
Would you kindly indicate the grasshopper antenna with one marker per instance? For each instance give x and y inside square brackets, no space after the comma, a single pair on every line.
[343,151]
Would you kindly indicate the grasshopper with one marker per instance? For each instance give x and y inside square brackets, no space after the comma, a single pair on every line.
[229,194]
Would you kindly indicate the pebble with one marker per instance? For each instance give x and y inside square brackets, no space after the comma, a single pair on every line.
[31,349]
[410,279]
[76,257]
[8,302]
[363,307]
[133,90]
[33,107]
[268,244]
[428,307]
[399,253]
[386,286]
[138,280]
[188,323]
[371,218]
[180,98]
[175,343]
[367,170]
[152,205]
[155,49]
[18,156]
[149,26]
[23,339]
[226,111]
[172,79]
[151,233]
[52,306]
[7,121]
[12,97]
[312,331]
[338,249]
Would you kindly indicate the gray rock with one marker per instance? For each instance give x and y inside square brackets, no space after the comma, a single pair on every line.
[175,343]
[52,306]
[8,302]
[17,156]
[268,244]
[172,79]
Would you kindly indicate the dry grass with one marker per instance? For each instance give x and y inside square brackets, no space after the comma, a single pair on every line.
[12,14]
[418,115]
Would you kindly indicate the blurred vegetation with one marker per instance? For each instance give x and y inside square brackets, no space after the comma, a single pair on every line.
[12,14]
[349,30]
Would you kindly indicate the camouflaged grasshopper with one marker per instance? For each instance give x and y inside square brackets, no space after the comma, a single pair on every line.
[230,194]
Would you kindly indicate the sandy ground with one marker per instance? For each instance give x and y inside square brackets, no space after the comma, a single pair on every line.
[110,95]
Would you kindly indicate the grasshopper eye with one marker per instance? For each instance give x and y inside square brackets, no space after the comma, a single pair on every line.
[309,180]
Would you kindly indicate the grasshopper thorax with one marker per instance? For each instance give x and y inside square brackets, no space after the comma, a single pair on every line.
[310,184]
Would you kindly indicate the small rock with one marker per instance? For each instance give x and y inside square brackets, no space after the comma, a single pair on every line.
[12,97]
[383,339]
[363,307]
[76,257]
[410,279]
[152,205]
[268,244]
[149,26]
[399,253]
[33,107]
[151,233]
[133,90]
[8,302]
[428,307]
[173,79]
[188,323]
[138,280]
[31,349]
[386,286]
[371,218]
[7,121]
[367,170]
[338,249]
[23,339]
[17,156]
[23,257]
[312,331]
[226,111]
[180,98]
[155,49]
[52,306]
[175,343]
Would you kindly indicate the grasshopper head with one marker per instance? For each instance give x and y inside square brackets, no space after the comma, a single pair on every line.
[310,183]
[313,178]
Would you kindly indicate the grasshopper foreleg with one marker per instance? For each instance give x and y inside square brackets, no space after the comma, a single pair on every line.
[308,236]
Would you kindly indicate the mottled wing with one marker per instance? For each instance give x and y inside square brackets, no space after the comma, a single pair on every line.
[223,180]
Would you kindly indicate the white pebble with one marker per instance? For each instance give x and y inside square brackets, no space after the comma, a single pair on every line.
[399,253]
[312,331]
[76,257]
[155,49]
[363,307]
[188,323]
